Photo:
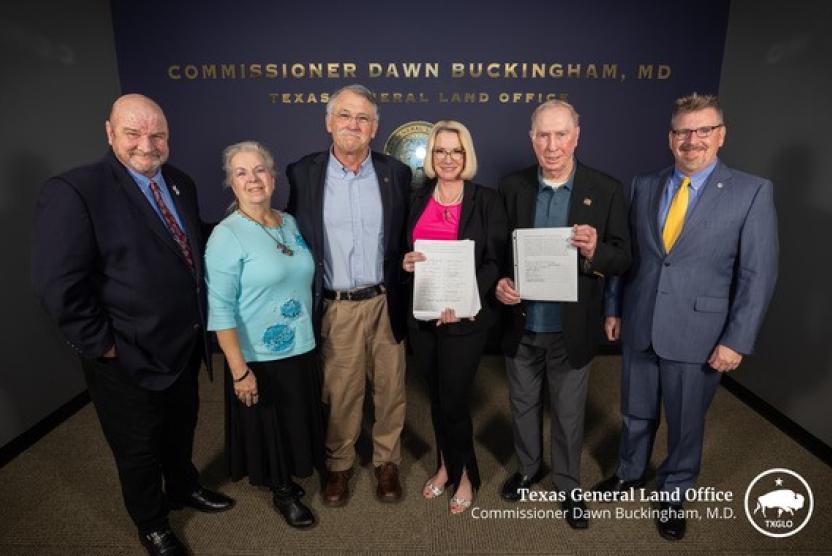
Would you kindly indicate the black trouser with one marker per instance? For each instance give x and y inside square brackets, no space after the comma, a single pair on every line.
[151,434]
[449,363]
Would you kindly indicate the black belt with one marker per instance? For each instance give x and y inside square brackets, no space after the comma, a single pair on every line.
[355,295]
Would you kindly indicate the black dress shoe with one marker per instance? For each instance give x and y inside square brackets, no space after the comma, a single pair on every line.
[292,509]
[671,522]
[614,484]
[512,486]
[204,500]
[297,489]
[575,513]
[162,542]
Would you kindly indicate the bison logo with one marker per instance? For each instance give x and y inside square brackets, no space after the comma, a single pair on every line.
[784,500]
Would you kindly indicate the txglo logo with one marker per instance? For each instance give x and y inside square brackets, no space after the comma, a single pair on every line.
[779,502]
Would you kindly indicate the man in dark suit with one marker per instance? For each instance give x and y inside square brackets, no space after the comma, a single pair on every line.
[553,339]
[350,205]
[704,269]
[117,263]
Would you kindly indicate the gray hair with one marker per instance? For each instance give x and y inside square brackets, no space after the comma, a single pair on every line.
[231,151]
[555,103]
[357,89]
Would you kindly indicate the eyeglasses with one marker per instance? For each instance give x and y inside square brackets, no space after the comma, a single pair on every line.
[360,119]
[442,154]
[701,132]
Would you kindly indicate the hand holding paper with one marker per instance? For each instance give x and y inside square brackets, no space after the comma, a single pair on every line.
[445,279]
[546,264]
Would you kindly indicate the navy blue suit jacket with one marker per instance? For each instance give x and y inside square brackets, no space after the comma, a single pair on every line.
[108,271]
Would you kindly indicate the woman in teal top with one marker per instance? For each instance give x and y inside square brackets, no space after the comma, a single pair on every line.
[259,275]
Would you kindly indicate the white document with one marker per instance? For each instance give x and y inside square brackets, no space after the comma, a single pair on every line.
[545,264]
[447,279]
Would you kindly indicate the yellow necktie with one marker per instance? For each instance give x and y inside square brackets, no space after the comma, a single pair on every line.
[676,216]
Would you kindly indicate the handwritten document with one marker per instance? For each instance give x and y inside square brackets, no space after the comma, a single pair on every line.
[447,279]
[545,264]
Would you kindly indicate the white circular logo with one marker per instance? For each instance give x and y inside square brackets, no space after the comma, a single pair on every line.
[779,502]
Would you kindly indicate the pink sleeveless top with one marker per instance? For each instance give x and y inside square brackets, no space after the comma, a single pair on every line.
[438,222]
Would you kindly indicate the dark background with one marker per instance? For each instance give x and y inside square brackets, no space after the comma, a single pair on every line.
[60,75]
[624,123]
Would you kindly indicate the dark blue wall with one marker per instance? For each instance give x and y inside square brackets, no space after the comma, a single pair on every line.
[624,120]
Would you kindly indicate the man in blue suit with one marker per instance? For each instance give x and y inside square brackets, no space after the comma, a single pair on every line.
[704,267]
[117,263]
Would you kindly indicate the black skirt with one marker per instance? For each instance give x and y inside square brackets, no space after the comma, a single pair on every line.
[282,435]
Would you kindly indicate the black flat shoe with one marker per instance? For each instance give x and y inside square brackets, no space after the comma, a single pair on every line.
[162,542]
[511,488]
[292,509]
[203,500]
[671,522]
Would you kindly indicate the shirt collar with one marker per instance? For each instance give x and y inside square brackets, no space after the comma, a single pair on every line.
[567,184]
[698,179]
[143,181]
[363,169]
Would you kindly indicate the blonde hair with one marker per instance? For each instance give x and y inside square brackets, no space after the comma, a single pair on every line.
[469,170]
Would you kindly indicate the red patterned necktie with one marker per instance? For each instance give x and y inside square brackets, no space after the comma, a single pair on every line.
[173,227]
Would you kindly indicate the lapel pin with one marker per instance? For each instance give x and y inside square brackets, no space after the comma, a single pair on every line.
[175,190]
[719,185]
[588,201]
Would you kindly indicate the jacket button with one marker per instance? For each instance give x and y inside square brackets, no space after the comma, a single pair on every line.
[667,263]
[196,326]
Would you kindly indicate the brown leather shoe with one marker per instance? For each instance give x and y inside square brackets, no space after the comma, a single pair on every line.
[389,489]
[337,489]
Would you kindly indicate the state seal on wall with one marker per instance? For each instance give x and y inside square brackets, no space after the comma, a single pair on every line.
[408,143]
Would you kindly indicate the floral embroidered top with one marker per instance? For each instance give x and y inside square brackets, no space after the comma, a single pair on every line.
[255,286]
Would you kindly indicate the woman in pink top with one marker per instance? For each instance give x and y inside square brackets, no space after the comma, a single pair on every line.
[448,350]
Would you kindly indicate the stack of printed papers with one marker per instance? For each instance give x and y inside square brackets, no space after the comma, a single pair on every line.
[446,280]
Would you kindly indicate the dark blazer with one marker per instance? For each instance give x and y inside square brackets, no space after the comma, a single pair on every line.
[307,177]
[597,200]
[109,273]
[483,220]
[716,283]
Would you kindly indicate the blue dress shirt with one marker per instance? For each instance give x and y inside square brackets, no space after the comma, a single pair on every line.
[353,227]
[144,185]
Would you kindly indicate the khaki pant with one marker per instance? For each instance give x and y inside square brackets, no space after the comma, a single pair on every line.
[357,343]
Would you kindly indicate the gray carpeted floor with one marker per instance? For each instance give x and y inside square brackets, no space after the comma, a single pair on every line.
[62,495]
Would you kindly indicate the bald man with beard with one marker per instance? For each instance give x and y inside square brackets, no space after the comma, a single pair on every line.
[117,264]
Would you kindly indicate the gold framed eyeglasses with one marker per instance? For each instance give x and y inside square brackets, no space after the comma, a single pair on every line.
[454,154]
